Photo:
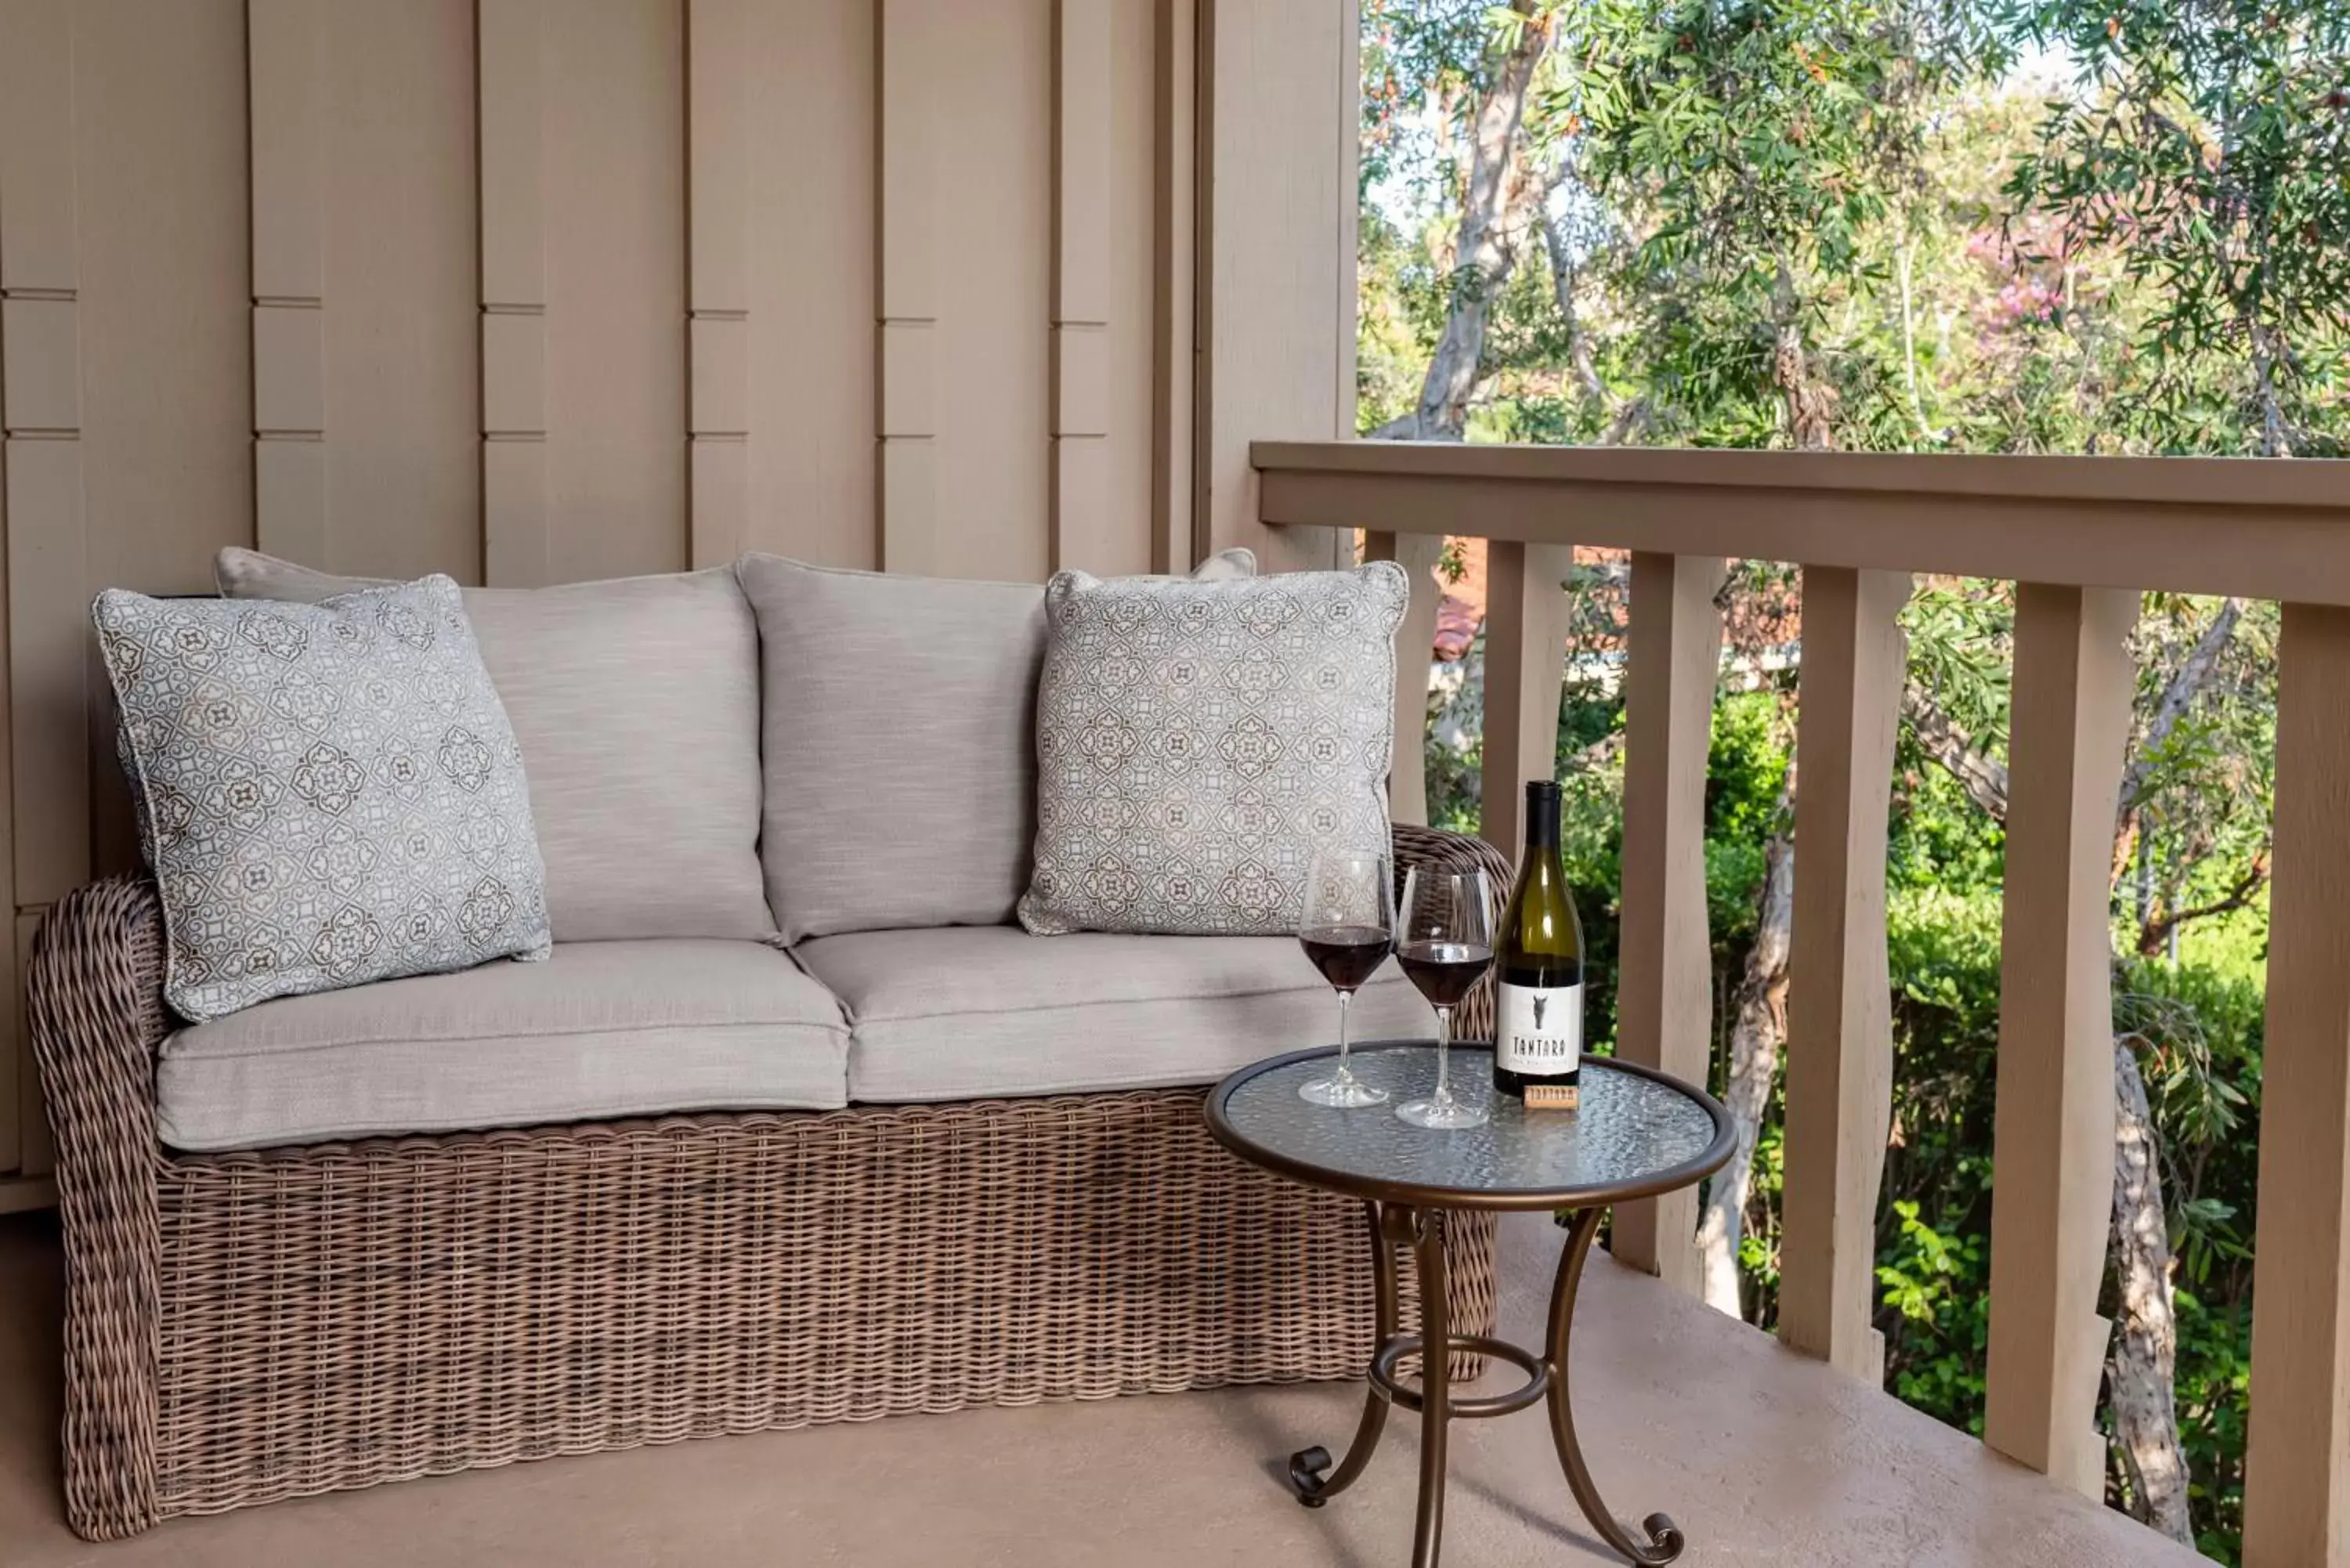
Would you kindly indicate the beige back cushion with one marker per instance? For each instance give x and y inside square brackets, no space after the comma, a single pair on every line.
[899,743]
[637,705]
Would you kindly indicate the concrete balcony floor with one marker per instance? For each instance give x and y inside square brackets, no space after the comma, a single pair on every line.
[1764,1458]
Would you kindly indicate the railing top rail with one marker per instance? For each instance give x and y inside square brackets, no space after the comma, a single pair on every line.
[2263,528]
[2319,484]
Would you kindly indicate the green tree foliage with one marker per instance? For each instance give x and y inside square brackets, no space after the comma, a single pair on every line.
[2205,142]
[1960,225]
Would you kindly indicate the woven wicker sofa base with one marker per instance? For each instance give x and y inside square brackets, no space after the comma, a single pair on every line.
[356,1315]
[248,1327]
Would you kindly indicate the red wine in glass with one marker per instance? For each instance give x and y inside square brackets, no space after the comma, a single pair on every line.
[1346,955]
[1348,928]
[1444,940]
[1445,972]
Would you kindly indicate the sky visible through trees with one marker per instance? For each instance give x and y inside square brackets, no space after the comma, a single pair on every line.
[2025,226]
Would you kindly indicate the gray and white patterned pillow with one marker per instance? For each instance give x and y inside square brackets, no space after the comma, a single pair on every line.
[1197,743]
[329,793]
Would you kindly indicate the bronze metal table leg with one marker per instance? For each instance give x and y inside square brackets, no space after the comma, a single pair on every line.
[1435,1388]
[1307,1465]
[1425,1230]
[1664,1542]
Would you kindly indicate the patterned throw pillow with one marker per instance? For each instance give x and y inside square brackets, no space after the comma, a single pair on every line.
[329,794]
[1198,742]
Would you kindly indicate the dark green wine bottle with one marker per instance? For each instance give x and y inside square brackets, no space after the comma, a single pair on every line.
[1538,957]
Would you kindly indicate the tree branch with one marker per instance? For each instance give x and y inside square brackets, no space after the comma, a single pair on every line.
[1403,427]
[1983,778]
[2185,686]
[2156,932]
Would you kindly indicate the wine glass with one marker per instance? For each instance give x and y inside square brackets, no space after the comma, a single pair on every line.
[1445,944]
[1348,928]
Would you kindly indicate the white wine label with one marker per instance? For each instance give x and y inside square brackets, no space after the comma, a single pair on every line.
[1541,1029]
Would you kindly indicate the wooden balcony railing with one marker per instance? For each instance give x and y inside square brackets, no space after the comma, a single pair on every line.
[2081,538]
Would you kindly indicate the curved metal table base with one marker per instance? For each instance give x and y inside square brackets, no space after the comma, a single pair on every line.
[1424,1231]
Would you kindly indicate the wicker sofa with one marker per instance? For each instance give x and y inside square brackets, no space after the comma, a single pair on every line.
[248,1324]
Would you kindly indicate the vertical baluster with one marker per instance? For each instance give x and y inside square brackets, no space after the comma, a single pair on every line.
[2297,1481]
[1525,653]
[1839,1024]
[1664,998]
[2053,1140]
[1415,642]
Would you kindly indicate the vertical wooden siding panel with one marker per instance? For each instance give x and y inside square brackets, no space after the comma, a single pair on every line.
[285,69]
[511,112]
[286,61]
[402,350]
[1276,138]
[35,198]
[37,175]
[40,469]
[50,694]
[1130,391]
[906,112]
[993,266]
[616,354]
[718,190]
[165,248]
[1082,531]
[1174,281]
[812,380]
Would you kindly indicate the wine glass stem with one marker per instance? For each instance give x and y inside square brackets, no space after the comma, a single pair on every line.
[1443,1051]
[1345,1007]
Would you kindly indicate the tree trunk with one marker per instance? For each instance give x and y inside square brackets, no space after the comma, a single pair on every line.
[1486,251]
[2139,1376]
[1983,778]
[1755,1042]
[2178,695]
[1561,251]
[1808,405]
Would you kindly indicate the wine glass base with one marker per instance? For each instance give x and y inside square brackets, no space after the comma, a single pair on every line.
[1343,1090]
[1443,1114]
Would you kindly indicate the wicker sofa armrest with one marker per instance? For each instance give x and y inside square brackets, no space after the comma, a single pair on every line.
[1473,1020]
[95,987]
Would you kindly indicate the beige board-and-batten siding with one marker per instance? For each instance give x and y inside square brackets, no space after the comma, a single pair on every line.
[534,291]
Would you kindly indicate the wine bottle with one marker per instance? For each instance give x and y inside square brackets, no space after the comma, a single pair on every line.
[1538,957]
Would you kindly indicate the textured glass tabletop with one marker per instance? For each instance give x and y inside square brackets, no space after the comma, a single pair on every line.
[1634,1134]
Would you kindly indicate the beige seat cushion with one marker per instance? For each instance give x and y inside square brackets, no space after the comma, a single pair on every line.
[601,1029]
[979,1011]
[637,705]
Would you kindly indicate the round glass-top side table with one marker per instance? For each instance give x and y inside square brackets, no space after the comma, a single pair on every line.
[1638,1133]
